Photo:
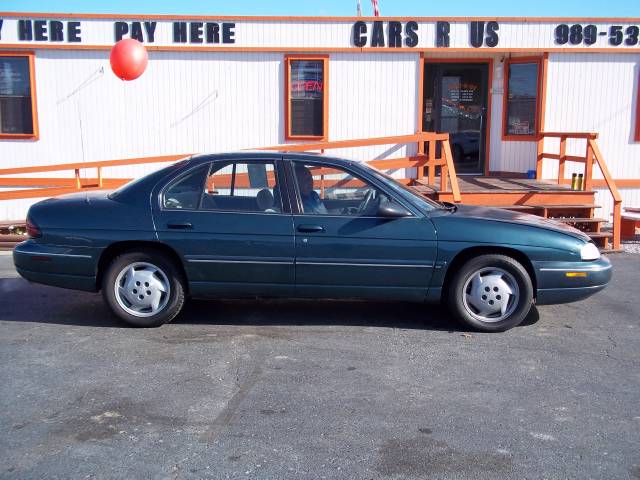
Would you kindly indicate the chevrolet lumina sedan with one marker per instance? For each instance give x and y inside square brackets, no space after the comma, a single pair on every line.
[301,225]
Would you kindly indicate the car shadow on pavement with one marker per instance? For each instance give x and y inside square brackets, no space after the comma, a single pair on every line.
[31,303]
[296,312]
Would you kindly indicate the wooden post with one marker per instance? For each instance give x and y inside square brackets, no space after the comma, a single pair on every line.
[446,152]
[613,188]
[540,157]
[444,176]
[420,145]
[617,224]
[99,177]
[588,168]
[78,184]
[420,169]
[563,154]
[431,169]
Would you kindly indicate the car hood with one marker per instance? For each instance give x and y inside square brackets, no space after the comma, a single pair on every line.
[510,216]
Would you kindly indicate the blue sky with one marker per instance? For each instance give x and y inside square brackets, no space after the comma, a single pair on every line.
[573,8]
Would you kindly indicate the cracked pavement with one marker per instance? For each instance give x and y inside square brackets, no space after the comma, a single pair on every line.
[310,389]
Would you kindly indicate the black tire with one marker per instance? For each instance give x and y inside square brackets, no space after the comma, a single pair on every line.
[171,304]
[465,311]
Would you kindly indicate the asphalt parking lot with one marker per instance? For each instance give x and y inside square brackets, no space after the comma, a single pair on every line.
[282,389]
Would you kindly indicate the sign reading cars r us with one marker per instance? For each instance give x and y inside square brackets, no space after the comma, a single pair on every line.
[481,34]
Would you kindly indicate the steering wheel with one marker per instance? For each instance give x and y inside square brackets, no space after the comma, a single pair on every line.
[368,200]
[172,203]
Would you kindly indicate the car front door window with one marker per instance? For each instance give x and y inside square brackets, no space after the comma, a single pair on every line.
[329,190]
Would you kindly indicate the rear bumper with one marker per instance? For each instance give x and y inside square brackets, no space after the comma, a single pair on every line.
[74,282]
[565,282]
[66,267]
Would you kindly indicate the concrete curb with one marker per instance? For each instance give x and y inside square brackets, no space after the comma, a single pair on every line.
[5,253]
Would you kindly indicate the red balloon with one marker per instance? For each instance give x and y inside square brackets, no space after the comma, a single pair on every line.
[128,59]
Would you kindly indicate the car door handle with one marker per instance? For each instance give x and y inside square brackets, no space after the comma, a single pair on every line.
[310,228]
[180,226]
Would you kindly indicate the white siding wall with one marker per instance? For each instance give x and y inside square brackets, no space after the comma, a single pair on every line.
[596,93]
[185,102]
[200,102]
[373,95]
[209,101]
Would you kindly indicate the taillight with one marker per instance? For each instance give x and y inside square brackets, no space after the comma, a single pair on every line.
[32,229]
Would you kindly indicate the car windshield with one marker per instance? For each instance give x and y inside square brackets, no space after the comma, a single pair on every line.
[396,185]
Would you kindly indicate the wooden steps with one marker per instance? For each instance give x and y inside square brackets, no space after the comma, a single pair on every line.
[8,236]
[8,242]
[580,220]
[574,215]
[542,198]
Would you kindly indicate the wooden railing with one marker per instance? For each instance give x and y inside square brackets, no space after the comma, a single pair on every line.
[592,152]
[425,159]
[53,186]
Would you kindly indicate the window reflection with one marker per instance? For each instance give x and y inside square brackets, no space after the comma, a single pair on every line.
[522,98]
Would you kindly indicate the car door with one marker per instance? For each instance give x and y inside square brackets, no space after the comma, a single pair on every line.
[229,223]
[345,248]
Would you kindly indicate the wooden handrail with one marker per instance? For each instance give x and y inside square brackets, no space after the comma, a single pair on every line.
[562,156]
[59,186]
[97,164]
[364,142]
[613,189]
[62,186]
[592,152]
[569,134]
[420,161]
[455,189]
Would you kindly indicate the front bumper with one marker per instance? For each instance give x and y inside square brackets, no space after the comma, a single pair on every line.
[565,282]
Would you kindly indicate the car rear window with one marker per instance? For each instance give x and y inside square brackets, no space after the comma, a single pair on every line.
[157,175]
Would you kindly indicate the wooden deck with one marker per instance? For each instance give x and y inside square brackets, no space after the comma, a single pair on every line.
[482,184]
[506,191]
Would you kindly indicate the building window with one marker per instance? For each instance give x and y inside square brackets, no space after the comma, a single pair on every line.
[521,108]
[306,96]
[18,118]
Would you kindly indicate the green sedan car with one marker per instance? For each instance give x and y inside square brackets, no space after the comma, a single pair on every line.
[301,225]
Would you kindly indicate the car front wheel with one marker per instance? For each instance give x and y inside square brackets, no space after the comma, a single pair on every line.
[143,289]
[491,293]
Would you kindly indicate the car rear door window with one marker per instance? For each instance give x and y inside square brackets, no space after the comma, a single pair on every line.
[245,186]
[185,193]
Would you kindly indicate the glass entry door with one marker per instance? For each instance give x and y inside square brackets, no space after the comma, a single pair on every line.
[455,102]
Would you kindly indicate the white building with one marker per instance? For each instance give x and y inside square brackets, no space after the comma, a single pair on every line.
[229,83]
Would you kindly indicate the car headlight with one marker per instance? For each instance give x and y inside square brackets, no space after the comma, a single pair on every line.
[589,252]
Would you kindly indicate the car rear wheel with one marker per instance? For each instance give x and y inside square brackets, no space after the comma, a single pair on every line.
[143,289]
[491,293]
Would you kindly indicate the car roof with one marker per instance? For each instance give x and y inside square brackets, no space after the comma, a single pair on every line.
[271,154]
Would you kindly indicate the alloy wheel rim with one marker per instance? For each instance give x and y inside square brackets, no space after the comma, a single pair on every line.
[490,294]
[142,289]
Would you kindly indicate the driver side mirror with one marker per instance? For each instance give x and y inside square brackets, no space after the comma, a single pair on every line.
[391,209]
